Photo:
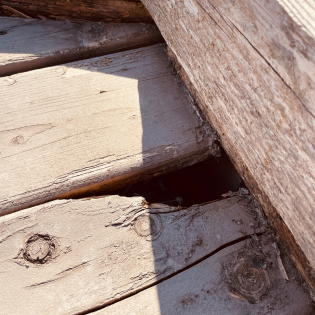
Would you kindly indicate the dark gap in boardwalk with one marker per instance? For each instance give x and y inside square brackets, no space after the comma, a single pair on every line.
[202,182]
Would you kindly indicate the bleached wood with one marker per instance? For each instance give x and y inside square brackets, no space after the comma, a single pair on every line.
[302,12]
[99,257]
[31,44]
[252,68]
[98,123]
[202,289]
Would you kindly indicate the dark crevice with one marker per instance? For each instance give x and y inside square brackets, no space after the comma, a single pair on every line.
[202,182]
[220,248]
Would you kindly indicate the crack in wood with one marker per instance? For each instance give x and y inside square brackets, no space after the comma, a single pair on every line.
[221,248]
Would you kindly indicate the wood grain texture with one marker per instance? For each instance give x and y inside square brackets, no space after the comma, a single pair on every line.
[105,249]
[202,289]
[252,69]
[100,123]
[128,11]
[31,44]
[302,12]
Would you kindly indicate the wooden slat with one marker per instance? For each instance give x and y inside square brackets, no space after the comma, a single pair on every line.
[70,256]
[92,10]
[204,289]
[99,123]
[31,44]
[252,68]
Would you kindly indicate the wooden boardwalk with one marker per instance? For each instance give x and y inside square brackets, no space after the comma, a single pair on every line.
[102,123]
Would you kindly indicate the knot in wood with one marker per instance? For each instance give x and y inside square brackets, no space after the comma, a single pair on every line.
[249,279]
[39,249]
[148,226]
[18,140]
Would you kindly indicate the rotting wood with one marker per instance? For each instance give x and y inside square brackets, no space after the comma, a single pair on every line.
[99,123]
[72,256]
[204,288]
[31,44]
[252,69]
[128,11]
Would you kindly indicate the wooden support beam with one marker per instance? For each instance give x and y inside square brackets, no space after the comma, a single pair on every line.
[204,288]
[72,256]
[116,11]
[252,69]
[95,124]
[31,44]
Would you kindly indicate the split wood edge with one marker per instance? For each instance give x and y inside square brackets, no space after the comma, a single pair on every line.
[110,247]
[223,284]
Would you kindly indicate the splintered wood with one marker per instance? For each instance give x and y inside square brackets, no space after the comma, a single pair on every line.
[99,123]
[252,69]
[71,256]
[31,44]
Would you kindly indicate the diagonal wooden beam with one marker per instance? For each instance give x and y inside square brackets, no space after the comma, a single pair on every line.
[252,68]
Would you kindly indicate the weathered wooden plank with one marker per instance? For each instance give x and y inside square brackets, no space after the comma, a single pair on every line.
[31,44]
[204,288]
[252,70]
[99,123]
[70,256]
[92,10]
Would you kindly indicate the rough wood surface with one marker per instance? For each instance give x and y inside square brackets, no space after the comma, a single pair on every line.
[302,12]
[98,123]
[70,256]
[31,44]
[252,68]
[92,10]
[202,289]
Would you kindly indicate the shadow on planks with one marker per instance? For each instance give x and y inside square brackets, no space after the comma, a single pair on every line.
[152,98]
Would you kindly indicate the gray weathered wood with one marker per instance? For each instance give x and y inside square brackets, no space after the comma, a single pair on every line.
[31,44]
[203,289]
[252,69]
[70,256]
[115,11]
[99,123]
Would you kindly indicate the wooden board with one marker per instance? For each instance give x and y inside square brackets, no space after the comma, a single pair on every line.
[99,123]
[31,44]
[71,256]
[92,10]
[204,289]
[252,69]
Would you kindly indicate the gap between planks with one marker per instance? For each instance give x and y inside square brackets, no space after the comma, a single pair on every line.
[32,44]
[96,124]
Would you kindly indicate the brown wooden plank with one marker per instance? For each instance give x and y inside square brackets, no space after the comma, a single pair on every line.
[252,68]
[70,256]
[204,288]
[31,44]
[99,123]
[91,10]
